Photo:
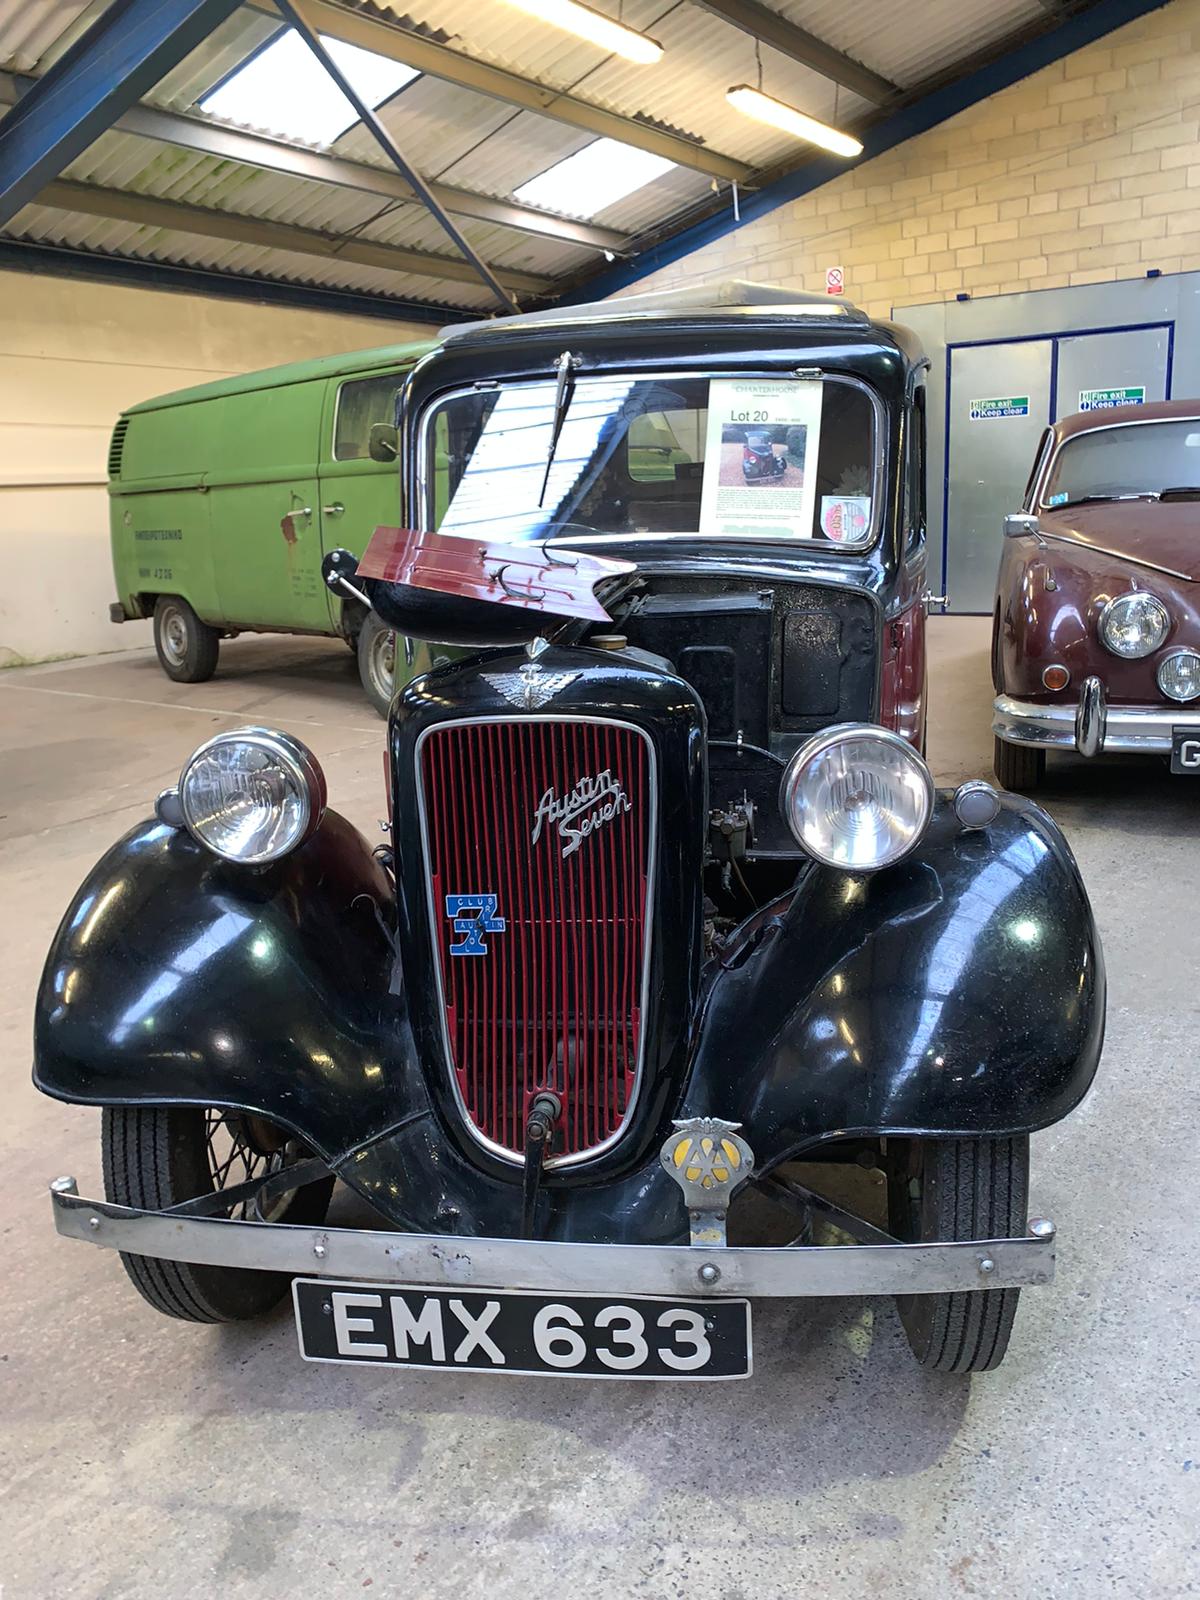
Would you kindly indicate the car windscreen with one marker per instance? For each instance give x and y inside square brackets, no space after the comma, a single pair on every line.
[1130,459]
[613,457]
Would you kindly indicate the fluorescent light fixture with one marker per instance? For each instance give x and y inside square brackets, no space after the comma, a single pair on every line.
[285,89]
[595,27]
[584,184]
[754,103]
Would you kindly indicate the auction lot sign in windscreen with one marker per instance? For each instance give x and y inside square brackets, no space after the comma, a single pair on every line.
[760,458]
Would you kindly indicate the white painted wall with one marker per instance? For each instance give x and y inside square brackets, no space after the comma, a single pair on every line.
[72,356]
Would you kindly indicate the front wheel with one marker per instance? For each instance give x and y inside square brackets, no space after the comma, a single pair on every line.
[159,1156]
[377,662]
[952,1189]
[187,648]
[1019,767]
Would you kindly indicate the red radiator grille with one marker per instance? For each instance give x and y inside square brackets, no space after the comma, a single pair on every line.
[552,1000]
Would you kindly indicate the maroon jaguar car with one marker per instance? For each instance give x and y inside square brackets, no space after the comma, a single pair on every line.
[1096,629]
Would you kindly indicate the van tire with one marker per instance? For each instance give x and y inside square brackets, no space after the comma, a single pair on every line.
[187,648]
[376,649]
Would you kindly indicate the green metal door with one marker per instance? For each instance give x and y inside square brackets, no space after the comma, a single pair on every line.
[265,511]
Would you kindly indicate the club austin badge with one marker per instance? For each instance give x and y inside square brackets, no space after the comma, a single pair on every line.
[590,804]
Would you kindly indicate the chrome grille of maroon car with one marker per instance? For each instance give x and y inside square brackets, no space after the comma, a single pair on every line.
[539,839]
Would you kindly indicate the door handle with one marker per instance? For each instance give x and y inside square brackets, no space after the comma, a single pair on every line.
[929,599]
[335,510]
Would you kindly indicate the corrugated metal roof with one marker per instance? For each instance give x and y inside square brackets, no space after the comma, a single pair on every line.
[463,138]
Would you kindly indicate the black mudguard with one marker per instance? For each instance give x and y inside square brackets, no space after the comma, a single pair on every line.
[960,993]
[176,977]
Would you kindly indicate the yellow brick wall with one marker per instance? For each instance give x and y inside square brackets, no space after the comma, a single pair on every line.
[1085,172]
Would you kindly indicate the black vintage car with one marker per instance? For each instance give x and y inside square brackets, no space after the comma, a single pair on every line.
[669,906]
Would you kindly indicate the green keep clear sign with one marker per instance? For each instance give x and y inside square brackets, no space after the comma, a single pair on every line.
[1101,399]
[987,410]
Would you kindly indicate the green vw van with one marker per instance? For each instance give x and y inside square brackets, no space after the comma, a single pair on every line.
[225,497]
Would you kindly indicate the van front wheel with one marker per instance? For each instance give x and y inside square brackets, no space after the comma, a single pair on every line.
[377,662]
[187,648]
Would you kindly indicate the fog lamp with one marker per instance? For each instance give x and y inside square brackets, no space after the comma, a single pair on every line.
[857,797]
[1179,675]
[252,794]
[1134,625]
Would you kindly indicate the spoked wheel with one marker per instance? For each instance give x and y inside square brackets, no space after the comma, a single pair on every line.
[950,1189]
[156,1157]
[377,662]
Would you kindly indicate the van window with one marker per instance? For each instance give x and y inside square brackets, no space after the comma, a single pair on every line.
[360,404]
[658,442]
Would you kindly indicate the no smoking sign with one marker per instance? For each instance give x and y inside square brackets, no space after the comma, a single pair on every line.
[835,280]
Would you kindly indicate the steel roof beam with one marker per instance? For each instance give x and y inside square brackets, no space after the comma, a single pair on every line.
[381,136]
[149,211]
[109,67]
[762,23]
[295,161]
[452,66]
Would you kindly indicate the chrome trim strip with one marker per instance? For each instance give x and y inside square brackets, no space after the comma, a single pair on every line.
[423,423]
[1128,729]
[1117,555]
[553,1163]
[456,1262]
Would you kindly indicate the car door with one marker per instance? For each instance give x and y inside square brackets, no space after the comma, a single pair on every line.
[265,511]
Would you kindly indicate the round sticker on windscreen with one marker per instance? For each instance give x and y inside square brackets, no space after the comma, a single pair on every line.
[845,519]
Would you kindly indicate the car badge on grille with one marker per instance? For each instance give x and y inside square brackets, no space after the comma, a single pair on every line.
[530,688]
[473,915]
[592,802]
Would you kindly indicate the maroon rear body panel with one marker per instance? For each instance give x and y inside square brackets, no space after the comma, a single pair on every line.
[554,819]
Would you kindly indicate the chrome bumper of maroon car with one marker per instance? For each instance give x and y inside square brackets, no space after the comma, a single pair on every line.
[455,1262]
[1091,726]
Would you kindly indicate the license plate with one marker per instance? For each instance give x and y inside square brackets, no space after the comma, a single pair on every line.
[1185,751]
[581,1336]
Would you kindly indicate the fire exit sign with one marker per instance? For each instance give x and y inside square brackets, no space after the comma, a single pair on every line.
[988,410]
[1101,399]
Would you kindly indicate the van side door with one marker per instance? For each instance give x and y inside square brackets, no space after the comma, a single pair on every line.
[266,511]
[357,493]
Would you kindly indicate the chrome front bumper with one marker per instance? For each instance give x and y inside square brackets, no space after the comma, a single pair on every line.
[1091,726]
[451,1262]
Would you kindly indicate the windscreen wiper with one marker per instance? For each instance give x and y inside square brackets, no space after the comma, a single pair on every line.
[563,391]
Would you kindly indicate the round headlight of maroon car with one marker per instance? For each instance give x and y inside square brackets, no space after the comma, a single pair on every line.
[1179,675]
[857,797]
[252,794]
[1134,625]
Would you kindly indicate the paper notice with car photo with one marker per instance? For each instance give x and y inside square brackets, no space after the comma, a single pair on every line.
[761,450]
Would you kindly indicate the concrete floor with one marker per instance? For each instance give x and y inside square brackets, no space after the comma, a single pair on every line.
[141,1457]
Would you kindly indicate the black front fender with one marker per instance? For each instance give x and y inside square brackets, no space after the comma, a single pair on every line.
[177,977]
[960,993]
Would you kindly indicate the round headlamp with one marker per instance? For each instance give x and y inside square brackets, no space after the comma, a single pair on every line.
[857,797]
[1179,675]
[1134,625]
[252,795]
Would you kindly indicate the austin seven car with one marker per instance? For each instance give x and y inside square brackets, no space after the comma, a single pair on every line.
[674,982]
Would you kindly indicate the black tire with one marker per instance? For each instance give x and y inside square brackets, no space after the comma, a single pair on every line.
[949,1189]
[187,648]
[1019,767]
[377,662]
[156,1157]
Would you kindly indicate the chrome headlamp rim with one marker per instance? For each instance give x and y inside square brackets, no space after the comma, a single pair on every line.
[816,746]
[1173,655]
[291,754]
[1145,598]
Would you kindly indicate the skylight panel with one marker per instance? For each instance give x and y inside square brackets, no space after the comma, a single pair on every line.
[593,178]
[285,90]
